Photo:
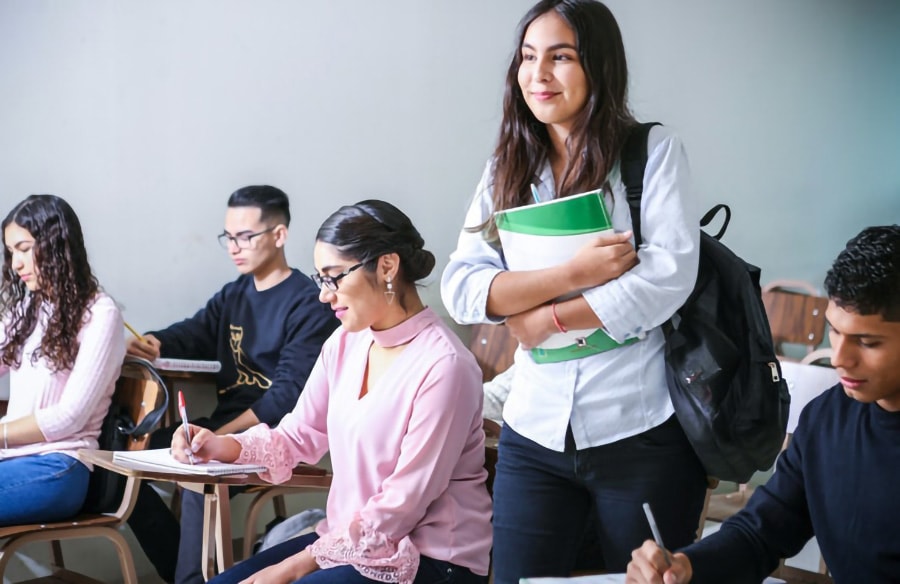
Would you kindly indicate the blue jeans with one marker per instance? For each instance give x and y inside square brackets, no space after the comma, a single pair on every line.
[41,488]
[543,500]
[431,571]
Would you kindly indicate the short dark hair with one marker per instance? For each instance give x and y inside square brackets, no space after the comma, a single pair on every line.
[272,202]
[865,277]
[370,229]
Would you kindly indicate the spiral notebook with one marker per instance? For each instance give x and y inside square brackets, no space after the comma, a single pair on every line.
[160,460]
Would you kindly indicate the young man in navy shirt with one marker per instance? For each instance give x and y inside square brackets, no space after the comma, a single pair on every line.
[838,478]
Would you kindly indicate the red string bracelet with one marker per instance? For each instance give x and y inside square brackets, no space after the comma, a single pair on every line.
[556,321]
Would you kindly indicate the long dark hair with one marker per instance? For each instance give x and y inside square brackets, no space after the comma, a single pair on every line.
[600,129]
[66,284]
[370,229]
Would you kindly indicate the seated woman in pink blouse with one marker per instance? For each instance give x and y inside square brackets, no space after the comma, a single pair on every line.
[396,398]
[61,343]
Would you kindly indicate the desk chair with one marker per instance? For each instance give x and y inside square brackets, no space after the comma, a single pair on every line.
[796,314]
[494,349]
[138,391]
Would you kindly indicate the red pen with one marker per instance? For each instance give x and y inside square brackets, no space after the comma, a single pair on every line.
[184,422]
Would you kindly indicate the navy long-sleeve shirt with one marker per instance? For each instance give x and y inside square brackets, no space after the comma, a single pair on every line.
[267,342]
[840,480]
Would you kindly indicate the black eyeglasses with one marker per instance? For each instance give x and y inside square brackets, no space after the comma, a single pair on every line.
[331,282]
[242,240]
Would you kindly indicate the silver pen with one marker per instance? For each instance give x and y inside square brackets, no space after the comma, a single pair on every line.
[656,536]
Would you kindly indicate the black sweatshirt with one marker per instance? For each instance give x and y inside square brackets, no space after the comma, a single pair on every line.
[267,343]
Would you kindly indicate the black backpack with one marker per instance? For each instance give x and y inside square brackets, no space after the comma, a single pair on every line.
[723,377]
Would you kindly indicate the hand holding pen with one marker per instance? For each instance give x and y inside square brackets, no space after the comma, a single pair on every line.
[182,410]
[652,561]
[143,346]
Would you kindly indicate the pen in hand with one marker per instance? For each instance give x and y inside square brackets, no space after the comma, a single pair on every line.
[656,536]
[184,422]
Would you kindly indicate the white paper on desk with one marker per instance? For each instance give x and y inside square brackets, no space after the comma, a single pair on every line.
[188,365]
[160,460]
[598,579]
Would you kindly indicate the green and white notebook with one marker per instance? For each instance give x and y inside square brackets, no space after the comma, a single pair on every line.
[547,234]
[160,460]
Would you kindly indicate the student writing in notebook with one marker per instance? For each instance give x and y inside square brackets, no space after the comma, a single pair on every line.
[396,399]
[61,344]
[838,478]
[596,434]
[266,328]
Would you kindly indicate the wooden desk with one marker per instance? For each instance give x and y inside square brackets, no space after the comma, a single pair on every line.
[217,546]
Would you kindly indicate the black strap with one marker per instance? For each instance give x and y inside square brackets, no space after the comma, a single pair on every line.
[632,164]
[711,214]
[148,424]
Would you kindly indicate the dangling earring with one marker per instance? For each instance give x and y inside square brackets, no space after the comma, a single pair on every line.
[389,293]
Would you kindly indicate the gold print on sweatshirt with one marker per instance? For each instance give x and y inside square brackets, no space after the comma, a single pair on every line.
[245,374]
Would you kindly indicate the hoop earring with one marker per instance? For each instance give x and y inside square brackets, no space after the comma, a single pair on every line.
[389,293]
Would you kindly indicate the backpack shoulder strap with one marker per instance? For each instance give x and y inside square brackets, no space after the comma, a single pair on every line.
[152,418]
[632,164]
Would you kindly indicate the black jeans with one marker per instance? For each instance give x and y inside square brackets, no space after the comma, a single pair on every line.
[543,500]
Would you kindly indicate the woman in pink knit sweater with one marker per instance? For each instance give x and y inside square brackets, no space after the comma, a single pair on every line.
[61,343]
[396,398]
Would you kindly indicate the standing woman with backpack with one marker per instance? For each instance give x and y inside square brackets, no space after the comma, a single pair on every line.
[61,342]
[596,434]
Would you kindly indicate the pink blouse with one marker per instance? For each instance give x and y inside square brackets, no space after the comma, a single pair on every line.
[408,457]
[69,405]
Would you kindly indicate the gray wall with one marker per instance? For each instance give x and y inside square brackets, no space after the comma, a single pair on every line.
[146,114]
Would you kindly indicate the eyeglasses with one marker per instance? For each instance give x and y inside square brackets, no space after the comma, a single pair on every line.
[243,240]
[331,282]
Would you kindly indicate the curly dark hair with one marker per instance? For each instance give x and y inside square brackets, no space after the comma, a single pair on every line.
[67,285]
[865,277]
[370,229]
[600,130]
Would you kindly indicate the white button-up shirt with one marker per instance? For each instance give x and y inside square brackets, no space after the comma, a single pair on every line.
[617,393]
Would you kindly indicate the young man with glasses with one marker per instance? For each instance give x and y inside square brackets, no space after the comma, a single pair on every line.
[266,329]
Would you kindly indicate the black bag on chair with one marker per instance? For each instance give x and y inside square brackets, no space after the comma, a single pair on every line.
[106,488]
[723,377]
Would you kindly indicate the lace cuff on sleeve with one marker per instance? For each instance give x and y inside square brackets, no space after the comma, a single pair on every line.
[261,445]
[372,553]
